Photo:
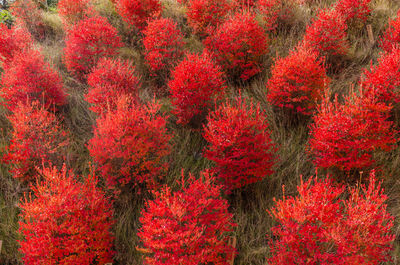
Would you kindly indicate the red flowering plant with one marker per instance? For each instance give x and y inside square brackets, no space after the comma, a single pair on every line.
[319,227]
[195,84]
[37,138]
[346,136]
[298,81]
[88,41]
[29,77]
[29,14]
[190,226]
[204,16]
[13,41]
[73,11]
[391,37]
[130,144]
[110,79]
[163,43]
[137,13]
[239,144]
[67,221]
[353,11]
[239,45]
[275,11]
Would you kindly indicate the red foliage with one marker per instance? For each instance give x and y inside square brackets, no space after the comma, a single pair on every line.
[13,41]
[37,138]
[67,222]
[87,42]
[239,45]
[391,37]
[346,136]
[138,12]
[298,81]
[317,227]
[29,77]
[327,34]
[240,144]
[190,226]
[163,44]
[384,78]
[353,11]
[205,15]
[73,11]
[245,4]
[109,80]
[273,11]
[130,144]
[196,82]
[30,15]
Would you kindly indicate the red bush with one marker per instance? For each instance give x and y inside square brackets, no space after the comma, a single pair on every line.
[384,78]
[29,77]
[391,37]
[240,144]
[138,12]
[67,221]
[109,80]
[298,81]
[353,11]
[190,226]
[163,44]
[239,45]
[327,34]
[317,227]
[87,42]
[13,41]
[37,138]
[345,137]
[73,11]
[130,144]
[205,15]
[28,12]
[196,82]
[274,11]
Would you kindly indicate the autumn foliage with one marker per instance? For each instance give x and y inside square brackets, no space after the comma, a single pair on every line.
[29,77]
[204,16]
[239,45]
[163,44]
[130,144]
[275,11]
[13,41]
[66,222]
[353,11]
[29,14]
[88,41]
[319,227]
[138,12]
[190,226]
[298,81]
[391,37]
[346,136]
[239,144]
[73,11]
[110,79]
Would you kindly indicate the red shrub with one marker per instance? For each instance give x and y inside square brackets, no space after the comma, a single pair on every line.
[130,144]
[205,15]
[239,45]
[109,80]
[30,15]
[37,138]
[73,11]
[163,44]
[392,34]
[29,77]
[67,221]
[240,144]
[245,4]
[138,12]
[327,34]
[196,82]
[190,226]
[384,78]
[317,227]
[345,137]
[13,41]
[298,81]
[87,42]
[353,11]
[274,11]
